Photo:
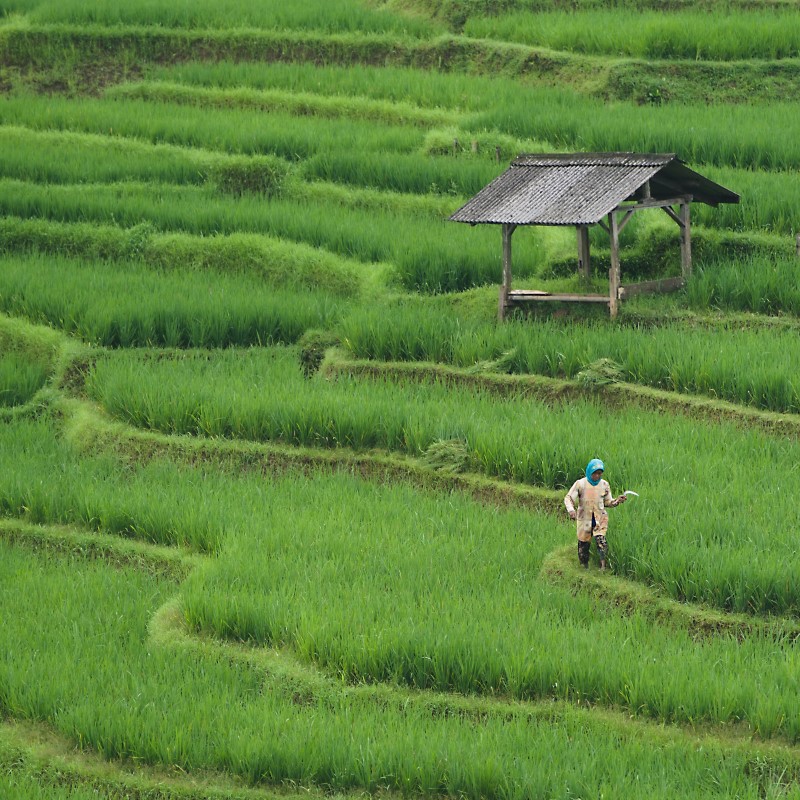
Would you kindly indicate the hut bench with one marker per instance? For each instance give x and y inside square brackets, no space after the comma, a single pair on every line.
[583,189]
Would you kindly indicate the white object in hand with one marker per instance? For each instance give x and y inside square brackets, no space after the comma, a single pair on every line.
[635,494]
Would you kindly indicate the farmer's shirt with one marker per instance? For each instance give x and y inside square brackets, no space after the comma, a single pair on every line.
[590,500]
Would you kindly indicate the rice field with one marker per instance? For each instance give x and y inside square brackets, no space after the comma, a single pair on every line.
[225,572]
[765,33]
[756,366]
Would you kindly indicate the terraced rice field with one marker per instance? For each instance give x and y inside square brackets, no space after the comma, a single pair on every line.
[281,502]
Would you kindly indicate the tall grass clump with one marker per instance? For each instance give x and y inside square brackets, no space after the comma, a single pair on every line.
[138,305]
[751,366]
[278,264]
[325,240]
[262,396]
[759,285]
[79,658]
[20,379]
[243,132]
[744,135]
[737,34]
[154,502]
[327,16]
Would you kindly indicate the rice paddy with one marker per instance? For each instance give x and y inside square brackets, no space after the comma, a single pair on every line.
[281,502]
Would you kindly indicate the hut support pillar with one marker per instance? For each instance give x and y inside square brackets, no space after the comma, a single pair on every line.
[613,273]
[686,240]
[506,287]
[584,264]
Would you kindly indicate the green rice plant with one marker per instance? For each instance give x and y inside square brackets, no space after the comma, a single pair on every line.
[741,365]
[261,395]
[439,600]
[80,659]
[244,132]
[763,33]
[365,581]
[277,263]
[298,104]
[427,254]
[401,172]
[369,200]
[744,135]
[65,157]
[768,201]
[28,357]
[452,91]
[760,285]
[102,494]
[329,16]
[20,379]
[137,305]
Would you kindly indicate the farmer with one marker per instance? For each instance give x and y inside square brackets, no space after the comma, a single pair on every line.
[593,496]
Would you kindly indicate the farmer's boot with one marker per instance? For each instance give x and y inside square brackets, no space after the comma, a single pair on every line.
[583,554]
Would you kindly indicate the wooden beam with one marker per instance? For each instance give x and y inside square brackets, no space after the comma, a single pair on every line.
[648,287]
[670,213]
[584,263]
[520,296]
[686,241]
[626,219]
[505,288]
[652,203]
[613,273]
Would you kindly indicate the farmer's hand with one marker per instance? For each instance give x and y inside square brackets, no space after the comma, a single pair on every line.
[622,498]
[573,515]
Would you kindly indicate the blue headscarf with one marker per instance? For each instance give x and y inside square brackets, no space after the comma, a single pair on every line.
[594,465]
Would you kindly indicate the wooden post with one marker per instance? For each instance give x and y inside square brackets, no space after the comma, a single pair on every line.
[497,154]
[455,147]
[506,287]
[474,145]
[686,240]
[613,273]
[797,245]
[584,264]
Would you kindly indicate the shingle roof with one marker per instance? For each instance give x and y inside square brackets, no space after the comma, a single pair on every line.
[582,188]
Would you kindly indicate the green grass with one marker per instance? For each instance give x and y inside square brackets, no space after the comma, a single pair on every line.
[760,285]
[743,136]
[295,103]
[426,254]
[131,305]
[261,396]
[20,379]
[744,365]
[377,614]
[343,636]
[241,131]
[329,16]
[735,35]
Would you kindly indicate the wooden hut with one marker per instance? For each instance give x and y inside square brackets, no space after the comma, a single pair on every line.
[583,189]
